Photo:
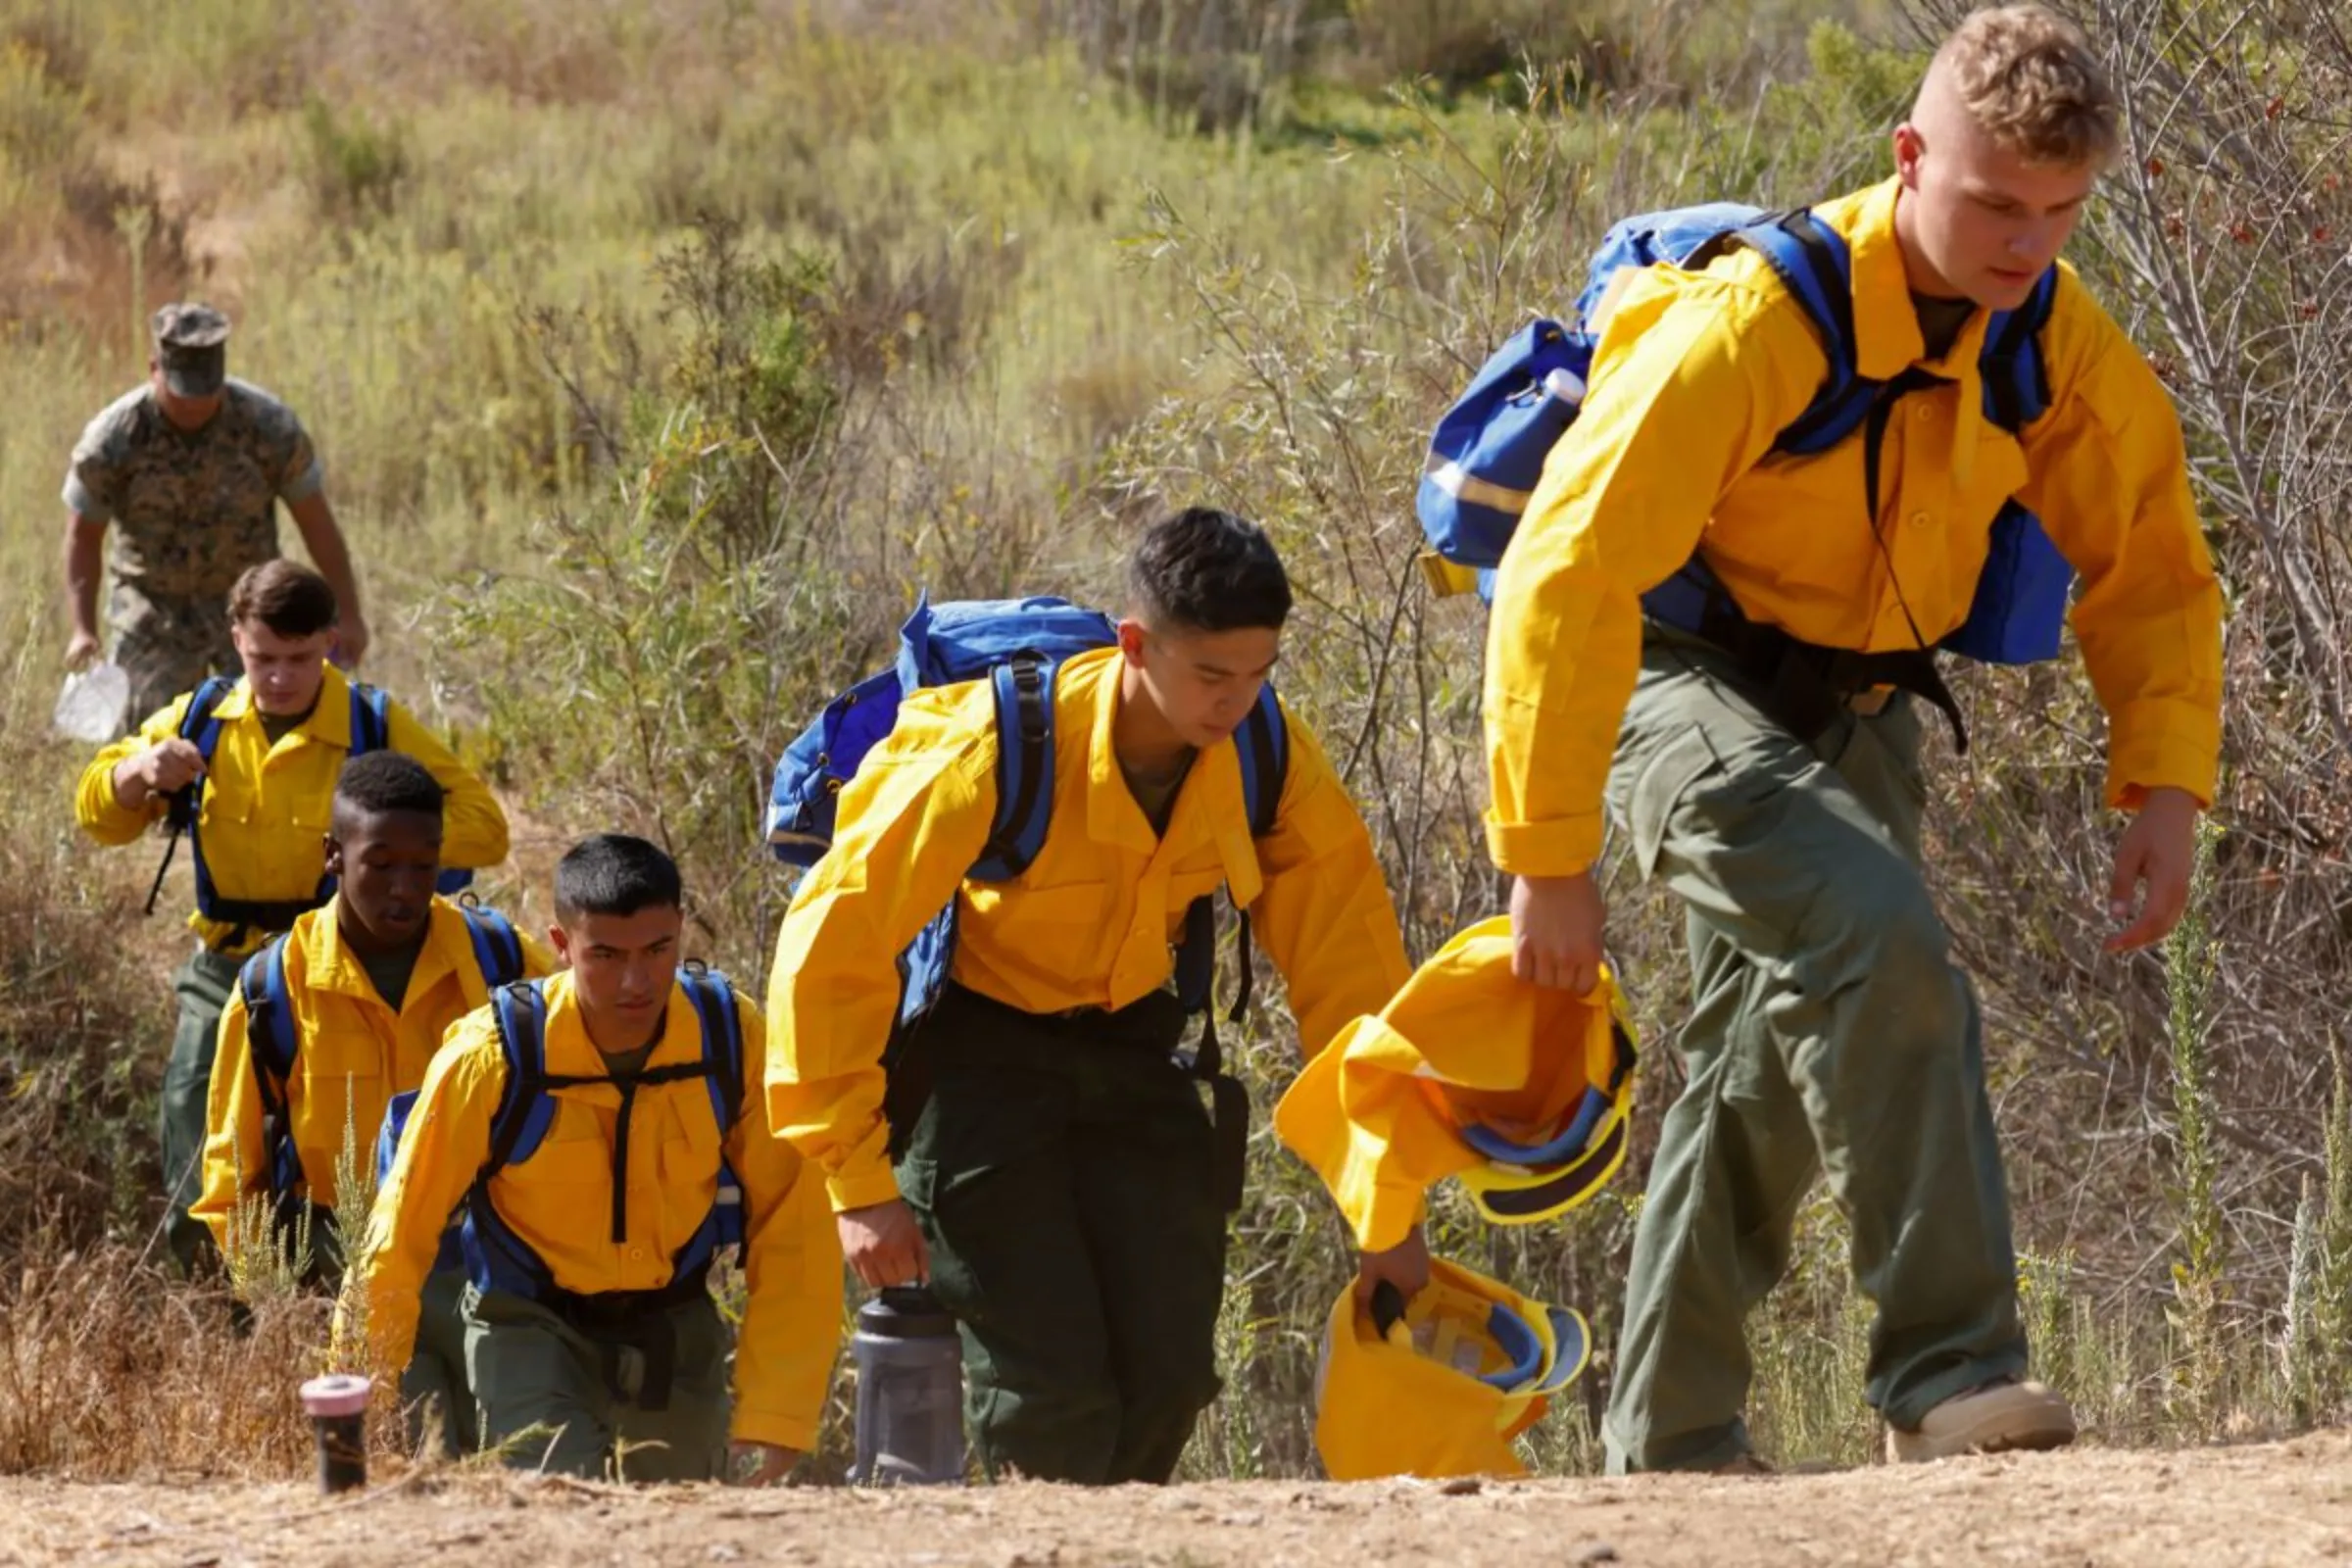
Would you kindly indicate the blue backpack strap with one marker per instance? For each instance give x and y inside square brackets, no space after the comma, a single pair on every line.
[1024,688]
[271,1041]
[198,723]
[1024,696]
[371,719]
[396,1111]
[520,1012]
[1263,744]
[2017,379]
[496,1258]
[713,1002]
[497,946]
[200,726]
[723,1062]
[1814,266]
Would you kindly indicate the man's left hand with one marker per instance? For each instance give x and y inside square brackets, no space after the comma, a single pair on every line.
[758,1464]
[2152,865]
[1405,1265]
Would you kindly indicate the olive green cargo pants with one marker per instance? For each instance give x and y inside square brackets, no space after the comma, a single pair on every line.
[1831,1033]
[202,986]
[1064,1172]
[548,1400]
[433,1386]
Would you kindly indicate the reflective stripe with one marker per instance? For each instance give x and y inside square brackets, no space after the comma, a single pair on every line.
[1461,483]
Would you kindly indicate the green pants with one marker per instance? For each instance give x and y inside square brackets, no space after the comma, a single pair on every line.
[1831,1033]
[202,986]
[548,1401]
[1062,1171]
[434,1386]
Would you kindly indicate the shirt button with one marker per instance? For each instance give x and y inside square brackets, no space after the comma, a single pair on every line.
[637,1254]
[1923,519]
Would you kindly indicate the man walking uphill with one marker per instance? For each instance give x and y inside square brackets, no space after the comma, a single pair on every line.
[1771,776]
[187,470]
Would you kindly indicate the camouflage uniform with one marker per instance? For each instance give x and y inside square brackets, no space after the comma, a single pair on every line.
[187,511]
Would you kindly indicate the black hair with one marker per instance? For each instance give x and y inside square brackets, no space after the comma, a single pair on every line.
[1208,570]
[613,873]
[388,781]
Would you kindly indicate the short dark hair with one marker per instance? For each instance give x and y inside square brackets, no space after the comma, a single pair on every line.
[388,781]
[1210,570]
[285,596]
[614,873]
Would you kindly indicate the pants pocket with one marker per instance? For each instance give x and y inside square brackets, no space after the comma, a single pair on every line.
[1658,786]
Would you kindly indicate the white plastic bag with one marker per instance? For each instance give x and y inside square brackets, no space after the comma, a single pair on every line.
[90,706]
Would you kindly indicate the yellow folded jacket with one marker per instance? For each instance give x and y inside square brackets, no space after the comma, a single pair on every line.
[1519,1089]
[1441,1391]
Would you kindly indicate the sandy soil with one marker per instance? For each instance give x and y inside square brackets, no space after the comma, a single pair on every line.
[2273,1504]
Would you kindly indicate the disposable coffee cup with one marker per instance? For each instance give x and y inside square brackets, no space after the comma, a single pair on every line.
[337,1406]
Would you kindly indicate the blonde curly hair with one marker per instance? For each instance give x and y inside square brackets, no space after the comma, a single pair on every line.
[2028,78]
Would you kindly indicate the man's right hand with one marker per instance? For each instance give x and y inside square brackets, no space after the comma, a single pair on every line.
[159,770]
[82,651]
[884,1245]
[1556,930]
[172,765]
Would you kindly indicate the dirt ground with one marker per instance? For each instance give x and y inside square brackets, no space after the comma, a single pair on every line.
[2276,1505]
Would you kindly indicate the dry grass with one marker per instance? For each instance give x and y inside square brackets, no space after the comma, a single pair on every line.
[1032,297]
[107,1368]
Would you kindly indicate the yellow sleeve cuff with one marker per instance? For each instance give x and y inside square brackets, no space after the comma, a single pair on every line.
[2143,757]
[1561,846]
[861,1189]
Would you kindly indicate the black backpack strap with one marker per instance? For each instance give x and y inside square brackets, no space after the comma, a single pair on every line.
[1024,690]
[181,805]
[1874,428]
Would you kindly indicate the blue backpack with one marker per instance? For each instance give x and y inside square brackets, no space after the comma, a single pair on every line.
[272,1041]
[494,1257]
[1488,450]
[370,731]
[1017,644]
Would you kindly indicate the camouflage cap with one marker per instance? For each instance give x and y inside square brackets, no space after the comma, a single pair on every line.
[191,347]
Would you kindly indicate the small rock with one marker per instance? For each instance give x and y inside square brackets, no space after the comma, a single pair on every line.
[1463,1487]
[724,1551]
[1597,1551]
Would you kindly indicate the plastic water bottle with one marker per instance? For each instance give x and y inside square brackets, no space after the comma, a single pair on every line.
[91,706]
[909,1390]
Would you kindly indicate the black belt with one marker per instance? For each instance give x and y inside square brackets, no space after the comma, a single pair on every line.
[1147,1029]
[632,1320]
[1803,686]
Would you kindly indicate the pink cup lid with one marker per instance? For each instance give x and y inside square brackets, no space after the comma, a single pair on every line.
[340,1394]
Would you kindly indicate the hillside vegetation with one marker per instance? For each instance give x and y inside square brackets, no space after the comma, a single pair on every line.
[660,351]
